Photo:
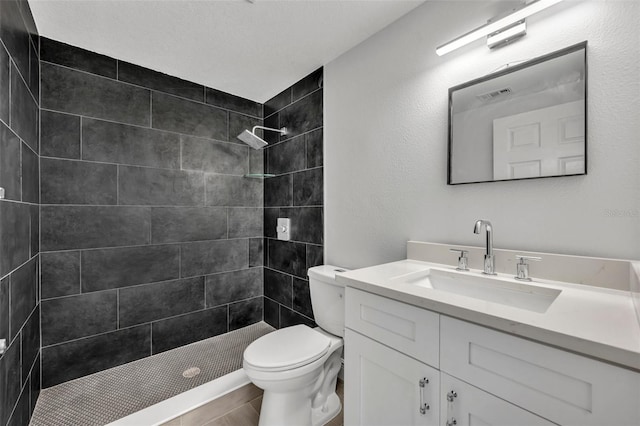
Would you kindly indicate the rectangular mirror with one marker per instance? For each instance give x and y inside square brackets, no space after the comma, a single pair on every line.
[526,121]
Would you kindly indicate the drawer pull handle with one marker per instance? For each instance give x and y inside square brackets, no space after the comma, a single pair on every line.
[451,396]
[423,405]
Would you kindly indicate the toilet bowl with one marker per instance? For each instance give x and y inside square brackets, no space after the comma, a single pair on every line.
[297,366]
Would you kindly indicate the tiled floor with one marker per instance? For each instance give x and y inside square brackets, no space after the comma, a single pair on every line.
[106,396]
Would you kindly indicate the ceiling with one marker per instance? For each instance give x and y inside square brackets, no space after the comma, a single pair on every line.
[251,49]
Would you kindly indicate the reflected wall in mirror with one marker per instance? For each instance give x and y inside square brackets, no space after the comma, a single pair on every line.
[526,121]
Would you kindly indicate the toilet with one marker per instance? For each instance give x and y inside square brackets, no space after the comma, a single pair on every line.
[297,367]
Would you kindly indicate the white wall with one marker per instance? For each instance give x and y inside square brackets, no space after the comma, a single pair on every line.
[385,112]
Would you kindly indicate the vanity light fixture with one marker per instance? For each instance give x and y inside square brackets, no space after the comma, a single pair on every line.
[502,30]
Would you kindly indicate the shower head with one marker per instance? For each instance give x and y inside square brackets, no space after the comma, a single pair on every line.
[254,141]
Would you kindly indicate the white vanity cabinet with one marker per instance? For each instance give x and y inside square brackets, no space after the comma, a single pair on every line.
[387,387]
[497,378]
[391,381]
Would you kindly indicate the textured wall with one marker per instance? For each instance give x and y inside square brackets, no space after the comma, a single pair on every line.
[386,133]
[295,192]
[151,237]
[19,307]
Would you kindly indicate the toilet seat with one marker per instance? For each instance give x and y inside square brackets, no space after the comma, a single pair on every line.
[286,349]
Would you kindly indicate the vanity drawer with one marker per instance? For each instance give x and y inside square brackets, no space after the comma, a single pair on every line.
[405,328]
[563,387]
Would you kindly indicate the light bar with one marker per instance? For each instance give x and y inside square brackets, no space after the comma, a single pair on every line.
[491,27]
[507,36]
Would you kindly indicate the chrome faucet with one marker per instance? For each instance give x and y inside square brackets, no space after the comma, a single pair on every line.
[489,267]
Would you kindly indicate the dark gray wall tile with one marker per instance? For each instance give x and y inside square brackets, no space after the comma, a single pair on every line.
[303,115]
[14,235]
[34,229]
[24,111]
[75,359]
[214,157]
[60,135]
[35,383]
[24,292]
[121,267]
[59,273]
[287,256]
[14,35]
[272,122]
[10,373]
[34,72]
[76,92]
[271,216]
[4,307]
[74,57]
[271,312]
[232,102]
[30,176]
[290,317]
[256,161]
[123,144]
[77,182]
[158,81]
[302,297]
[180,224]
[4,85]
[278,102]
[245,222]
[277,191]
[191,118]
[239,123]
[30,342]
[20,415]
[315,256]
[233,286]
[72,317]
[307,85]
[222,190]
[147,186]
[315,148]
[209,257]
[288,156]
[247,312]
[256,252]
[143,303]
[179,331]
[278,287]
[306,223]
[67,227]
[10,171]
[308,188]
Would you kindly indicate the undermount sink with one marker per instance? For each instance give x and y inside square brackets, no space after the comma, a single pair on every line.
[490,289]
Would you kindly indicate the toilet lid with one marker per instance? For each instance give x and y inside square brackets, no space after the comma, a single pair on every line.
[287,348]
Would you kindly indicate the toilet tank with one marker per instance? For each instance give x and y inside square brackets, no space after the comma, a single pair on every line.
[327,298]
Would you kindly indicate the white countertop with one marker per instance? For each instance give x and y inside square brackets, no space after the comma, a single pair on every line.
[596,322]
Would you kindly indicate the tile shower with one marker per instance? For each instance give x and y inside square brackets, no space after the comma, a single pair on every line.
[19,302]
[128,227]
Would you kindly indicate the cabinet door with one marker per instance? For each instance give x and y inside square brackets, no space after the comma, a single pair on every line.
[382,386]
[473,407]
[563,387]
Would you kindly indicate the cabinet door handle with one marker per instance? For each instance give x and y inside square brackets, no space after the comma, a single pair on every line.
[451,396]
[423,405]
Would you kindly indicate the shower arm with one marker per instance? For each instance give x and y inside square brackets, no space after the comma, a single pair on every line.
[282,131]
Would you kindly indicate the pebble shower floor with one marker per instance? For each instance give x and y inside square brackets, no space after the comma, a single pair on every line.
[109,395]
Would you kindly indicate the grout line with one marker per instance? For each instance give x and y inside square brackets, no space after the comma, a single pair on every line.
[151,110]
[81,118]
